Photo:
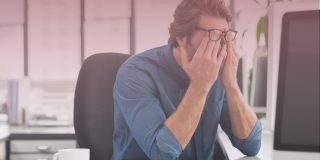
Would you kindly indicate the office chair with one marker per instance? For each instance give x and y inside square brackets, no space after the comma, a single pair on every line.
[93,103]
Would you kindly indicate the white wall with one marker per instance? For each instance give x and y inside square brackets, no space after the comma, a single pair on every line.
[106,26]
[54,32]
[11,38]
[54,39]
[153,18]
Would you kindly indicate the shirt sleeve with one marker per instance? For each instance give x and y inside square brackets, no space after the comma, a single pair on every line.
[249,146]
[136,96]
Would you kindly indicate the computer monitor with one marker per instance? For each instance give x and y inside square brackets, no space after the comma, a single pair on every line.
[258,98]
[275,14]
[297,108]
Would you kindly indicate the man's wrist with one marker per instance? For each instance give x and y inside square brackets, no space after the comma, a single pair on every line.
[199,88]
[231,86]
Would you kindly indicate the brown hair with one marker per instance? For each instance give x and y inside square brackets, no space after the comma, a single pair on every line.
[187,14]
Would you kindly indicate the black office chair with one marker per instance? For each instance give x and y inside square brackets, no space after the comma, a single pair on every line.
[93,103]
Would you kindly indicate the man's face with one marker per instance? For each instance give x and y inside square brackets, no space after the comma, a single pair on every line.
[205,22]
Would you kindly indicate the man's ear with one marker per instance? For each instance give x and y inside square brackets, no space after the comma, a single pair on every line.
[182,41]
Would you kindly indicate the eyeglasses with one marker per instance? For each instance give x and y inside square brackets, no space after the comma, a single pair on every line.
[216,34]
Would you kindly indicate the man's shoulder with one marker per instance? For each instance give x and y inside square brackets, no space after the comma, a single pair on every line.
[146,59]
[142,68]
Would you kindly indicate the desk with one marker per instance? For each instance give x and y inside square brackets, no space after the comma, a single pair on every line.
[4,132]
[266,151]
[24,143]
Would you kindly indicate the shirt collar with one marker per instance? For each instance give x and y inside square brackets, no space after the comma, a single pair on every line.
[174,67]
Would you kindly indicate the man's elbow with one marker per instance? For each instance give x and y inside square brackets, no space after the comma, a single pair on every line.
[159,152]
[164,146]
[252,145]
[252,149]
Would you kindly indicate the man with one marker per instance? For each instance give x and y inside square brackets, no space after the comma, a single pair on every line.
[170,100]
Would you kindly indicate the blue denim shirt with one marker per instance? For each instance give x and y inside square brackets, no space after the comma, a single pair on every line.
[148,89]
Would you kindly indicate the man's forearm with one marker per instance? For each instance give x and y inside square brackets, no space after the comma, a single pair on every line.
[242,118]
[184,121]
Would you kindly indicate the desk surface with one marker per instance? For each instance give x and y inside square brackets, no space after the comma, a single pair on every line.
[266,151]
[4,132]
[23,132]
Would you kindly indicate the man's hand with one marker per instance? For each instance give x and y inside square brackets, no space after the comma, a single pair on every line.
[230,67]
[202,71]
[204,67]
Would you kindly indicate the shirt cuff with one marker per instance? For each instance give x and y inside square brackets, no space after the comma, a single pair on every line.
[167,142]
[251,145]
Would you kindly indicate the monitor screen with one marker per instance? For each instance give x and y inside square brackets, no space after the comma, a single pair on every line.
[259,88]
[297,110]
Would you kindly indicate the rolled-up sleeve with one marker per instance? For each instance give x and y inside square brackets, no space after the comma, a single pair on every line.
[249,146]
[136,97]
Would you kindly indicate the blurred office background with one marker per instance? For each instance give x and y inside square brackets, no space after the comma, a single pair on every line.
[48,40]
[44,42]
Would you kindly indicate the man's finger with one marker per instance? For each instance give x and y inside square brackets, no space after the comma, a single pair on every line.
[210,47]
[216,49]
[230,48]
[203,45]
[223,53]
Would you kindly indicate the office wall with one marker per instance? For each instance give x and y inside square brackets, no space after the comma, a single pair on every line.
[53,39]
[52,45]
[54,33]
[11,38]
[153,18]
[106,26]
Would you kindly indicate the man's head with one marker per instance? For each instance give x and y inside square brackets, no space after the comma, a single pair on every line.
[193,14]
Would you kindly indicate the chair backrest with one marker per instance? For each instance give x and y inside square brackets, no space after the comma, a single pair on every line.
[93,103]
